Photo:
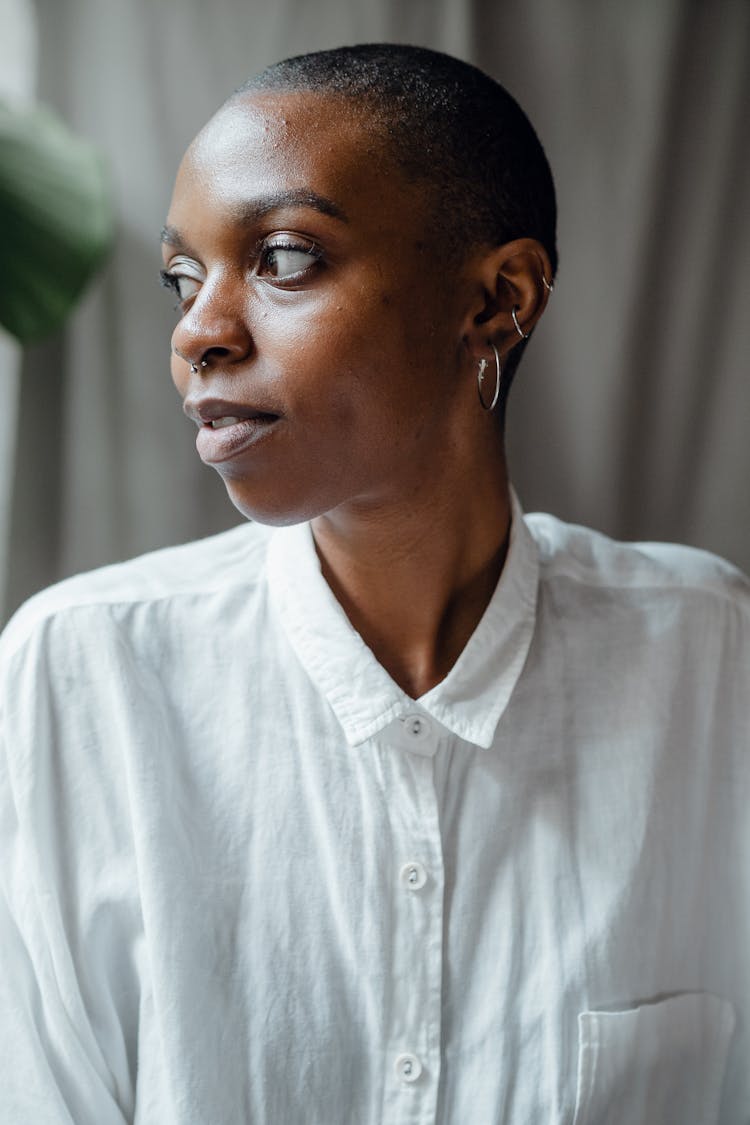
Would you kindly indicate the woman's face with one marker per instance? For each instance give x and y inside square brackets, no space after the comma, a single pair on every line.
[318,309]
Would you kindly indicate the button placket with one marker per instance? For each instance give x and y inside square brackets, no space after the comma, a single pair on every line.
[414,1036]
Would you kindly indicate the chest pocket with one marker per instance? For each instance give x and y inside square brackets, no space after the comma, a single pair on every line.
[656,1064]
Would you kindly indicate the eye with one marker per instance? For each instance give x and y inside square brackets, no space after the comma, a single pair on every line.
[183,284]
[288,260]
[184,278]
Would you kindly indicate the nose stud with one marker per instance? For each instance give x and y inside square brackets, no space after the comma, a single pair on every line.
[193,365]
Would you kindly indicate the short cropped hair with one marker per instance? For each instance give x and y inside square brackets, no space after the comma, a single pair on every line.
[444,122]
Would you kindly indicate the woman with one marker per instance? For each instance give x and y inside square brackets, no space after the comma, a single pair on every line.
[391,805]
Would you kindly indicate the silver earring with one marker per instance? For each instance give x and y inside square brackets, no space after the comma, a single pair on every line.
[548,285]
[480,379]
[519,330]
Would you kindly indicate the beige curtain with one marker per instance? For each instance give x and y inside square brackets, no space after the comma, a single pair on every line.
[632,404]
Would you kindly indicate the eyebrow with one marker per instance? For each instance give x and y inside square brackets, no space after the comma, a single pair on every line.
[254,209]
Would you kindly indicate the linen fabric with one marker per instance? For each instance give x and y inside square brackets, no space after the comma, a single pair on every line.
[247,880]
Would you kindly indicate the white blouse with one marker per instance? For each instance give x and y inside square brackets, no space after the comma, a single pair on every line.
[246,880]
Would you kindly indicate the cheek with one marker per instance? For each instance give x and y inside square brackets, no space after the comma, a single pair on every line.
[327,355]
[405,370]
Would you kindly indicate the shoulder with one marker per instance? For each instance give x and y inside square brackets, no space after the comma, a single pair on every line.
[670,598]
[577,555]
[654,625]
[218,564]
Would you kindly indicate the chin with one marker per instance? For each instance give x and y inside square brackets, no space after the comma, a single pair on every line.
[275,511]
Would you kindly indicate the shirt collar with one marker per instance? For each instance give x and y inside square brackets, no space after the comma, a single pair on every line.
[475,693]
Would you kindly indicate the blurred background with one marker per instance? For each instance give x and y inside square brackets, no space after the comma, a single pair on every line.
[631,410]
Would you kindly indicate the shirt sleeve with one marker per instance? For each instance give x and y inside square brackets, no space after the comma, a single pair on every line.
[68,1004]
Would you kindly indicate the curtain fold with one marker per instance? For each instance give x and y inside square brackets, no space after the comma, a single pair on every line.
[630,408]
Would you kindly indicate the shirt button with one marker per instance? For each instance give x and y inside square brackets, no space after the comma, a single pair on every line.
[417,728]
[413,876]
[408,1068]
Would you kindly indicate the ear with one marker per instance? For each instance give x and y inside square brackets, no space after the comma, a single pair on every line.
[513,277]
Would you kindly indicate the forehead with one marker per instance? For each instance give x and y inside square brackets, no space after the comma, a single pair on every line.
[291,141]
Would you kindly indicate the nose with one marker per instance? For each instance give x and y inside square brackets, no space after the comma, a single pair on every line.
[214,331]
[193,364]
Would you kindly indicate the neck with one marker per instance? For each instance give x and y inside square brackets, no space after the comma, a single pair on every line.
[414,578]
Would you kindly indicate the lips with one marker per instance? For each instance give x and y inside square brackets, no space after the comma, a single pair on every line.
[219,412]
[226,428]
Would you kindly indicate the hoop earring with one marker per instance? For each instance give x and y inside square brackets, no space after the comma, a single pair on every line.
[480,379]
[519,330]
[548,285]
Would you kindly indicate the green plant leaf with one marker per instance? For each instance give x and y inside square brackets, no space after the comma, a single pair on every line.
[56,220]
